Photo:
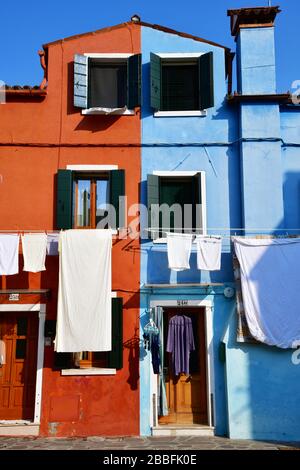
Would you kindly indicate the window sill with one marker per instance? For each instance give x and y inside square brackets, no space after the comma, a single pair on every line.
[180,113]
[108,111]
[91,371]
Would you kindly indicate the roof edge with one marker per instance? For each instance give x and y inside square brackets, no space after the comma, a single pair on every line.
[140,23]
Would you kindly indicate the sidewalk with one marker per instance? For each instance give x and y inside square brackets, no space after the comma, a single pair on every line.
[140,443]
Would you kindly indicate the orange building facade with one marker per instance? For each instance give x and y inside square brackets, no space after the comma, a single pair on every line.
[41,132]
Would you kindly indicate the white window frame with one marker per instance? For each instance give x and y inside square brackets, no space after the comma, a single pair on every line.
[191,113]
[40,309]
[107,57]
[203,194]
[210,370]
[91,370]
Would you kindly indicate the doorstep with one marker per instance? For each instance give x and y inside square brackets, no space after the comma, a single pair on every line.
[183,430]
[19,428]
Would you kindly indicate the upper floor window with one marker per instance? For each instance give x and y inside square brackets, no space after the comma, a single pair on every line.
[104,82]
[182,82]
[90,199]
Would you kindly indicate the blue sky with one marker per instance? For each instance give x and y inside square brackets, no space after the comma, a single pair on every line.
[26,25]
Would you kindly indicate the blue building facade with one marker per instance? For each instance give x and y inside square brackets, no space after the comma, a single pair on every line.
[245,147]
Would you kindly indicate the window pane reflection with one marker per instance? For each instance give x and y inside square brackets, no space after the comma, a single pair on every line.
[83,216]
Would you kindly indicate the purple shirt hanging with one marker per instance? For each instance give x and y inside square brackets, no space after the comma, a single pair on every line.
[180,343]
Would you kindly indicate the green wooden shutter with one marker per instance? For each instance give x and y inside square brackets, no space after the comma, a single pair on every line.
[80,81]
[198,200]
[134,81]
[153,204]
[155,80]
[117,189]
[206,81]
[115,356]
[64,199]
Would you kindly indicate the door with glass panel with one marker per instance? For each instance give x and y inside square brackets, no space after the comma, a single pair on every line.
[18,366]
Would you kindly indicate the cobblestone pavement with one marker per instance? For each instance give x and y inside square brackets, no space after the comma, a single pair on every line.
[140,443]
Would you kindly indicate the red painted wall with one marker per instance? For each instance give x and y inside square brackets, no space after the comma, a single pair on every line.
[90,405]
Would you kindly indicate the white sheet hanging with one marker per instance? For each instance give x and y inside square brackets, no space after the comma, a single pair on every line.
[84,294]
[209,253]
[270,278]
[9,253]
[34,246]
[179,247]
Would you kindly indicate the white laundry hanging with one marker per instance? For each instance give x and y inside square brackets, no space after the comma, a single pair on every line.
[179,247]
[52,244]
[9,253]
[209,252]
[84,293]
[34,246]
[270,279]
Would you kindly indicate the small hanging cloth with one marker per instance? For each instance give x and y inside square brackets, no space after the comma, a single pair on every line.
[209,253]
[179,247]
[34,247]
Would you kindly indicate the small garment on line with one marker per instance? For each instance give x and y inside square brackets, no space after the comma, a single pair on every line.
[34,247]
[179,247]
[209,253]
[9,253]
[52,244]
[270,279]
[84,291]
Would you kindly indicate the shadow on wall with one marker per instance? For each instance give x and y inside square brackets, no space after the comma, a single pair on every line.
[133,344]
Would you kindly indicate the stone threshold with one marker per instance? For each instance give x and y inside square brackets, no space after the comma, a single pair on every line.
[19,428]
[183,430]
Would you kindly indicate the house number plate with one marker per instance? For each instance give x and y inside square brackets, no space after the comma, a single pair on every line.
[13,297]
[182,303]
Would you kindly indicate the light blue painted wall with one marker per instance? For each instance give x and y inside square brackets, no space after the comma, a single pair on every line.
[257,60]
[262,389]
[218,128]
[261,382]
[254,183]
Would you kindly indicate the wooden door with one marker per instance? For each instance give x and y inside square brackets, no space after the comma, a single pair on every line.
[19,332]
[187,395]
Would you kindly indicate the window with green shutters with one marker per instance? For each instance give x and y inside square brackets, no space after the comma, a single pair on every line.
[111,359]
[182,83]
[107,82]
[90,200]
[186,192]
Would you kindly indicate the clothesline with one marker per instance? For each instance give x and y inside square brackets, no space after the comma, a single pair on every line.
[197,231]
[29,231]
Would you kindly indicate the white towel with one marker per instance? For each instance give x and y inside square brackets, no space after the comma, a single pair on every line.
[84,293]
[179,250]
[34,247]
[9,254]
[52,244]
[209,253]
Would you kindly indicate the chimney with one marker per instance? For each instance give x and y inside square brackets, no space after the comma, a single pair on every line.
[253,29]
